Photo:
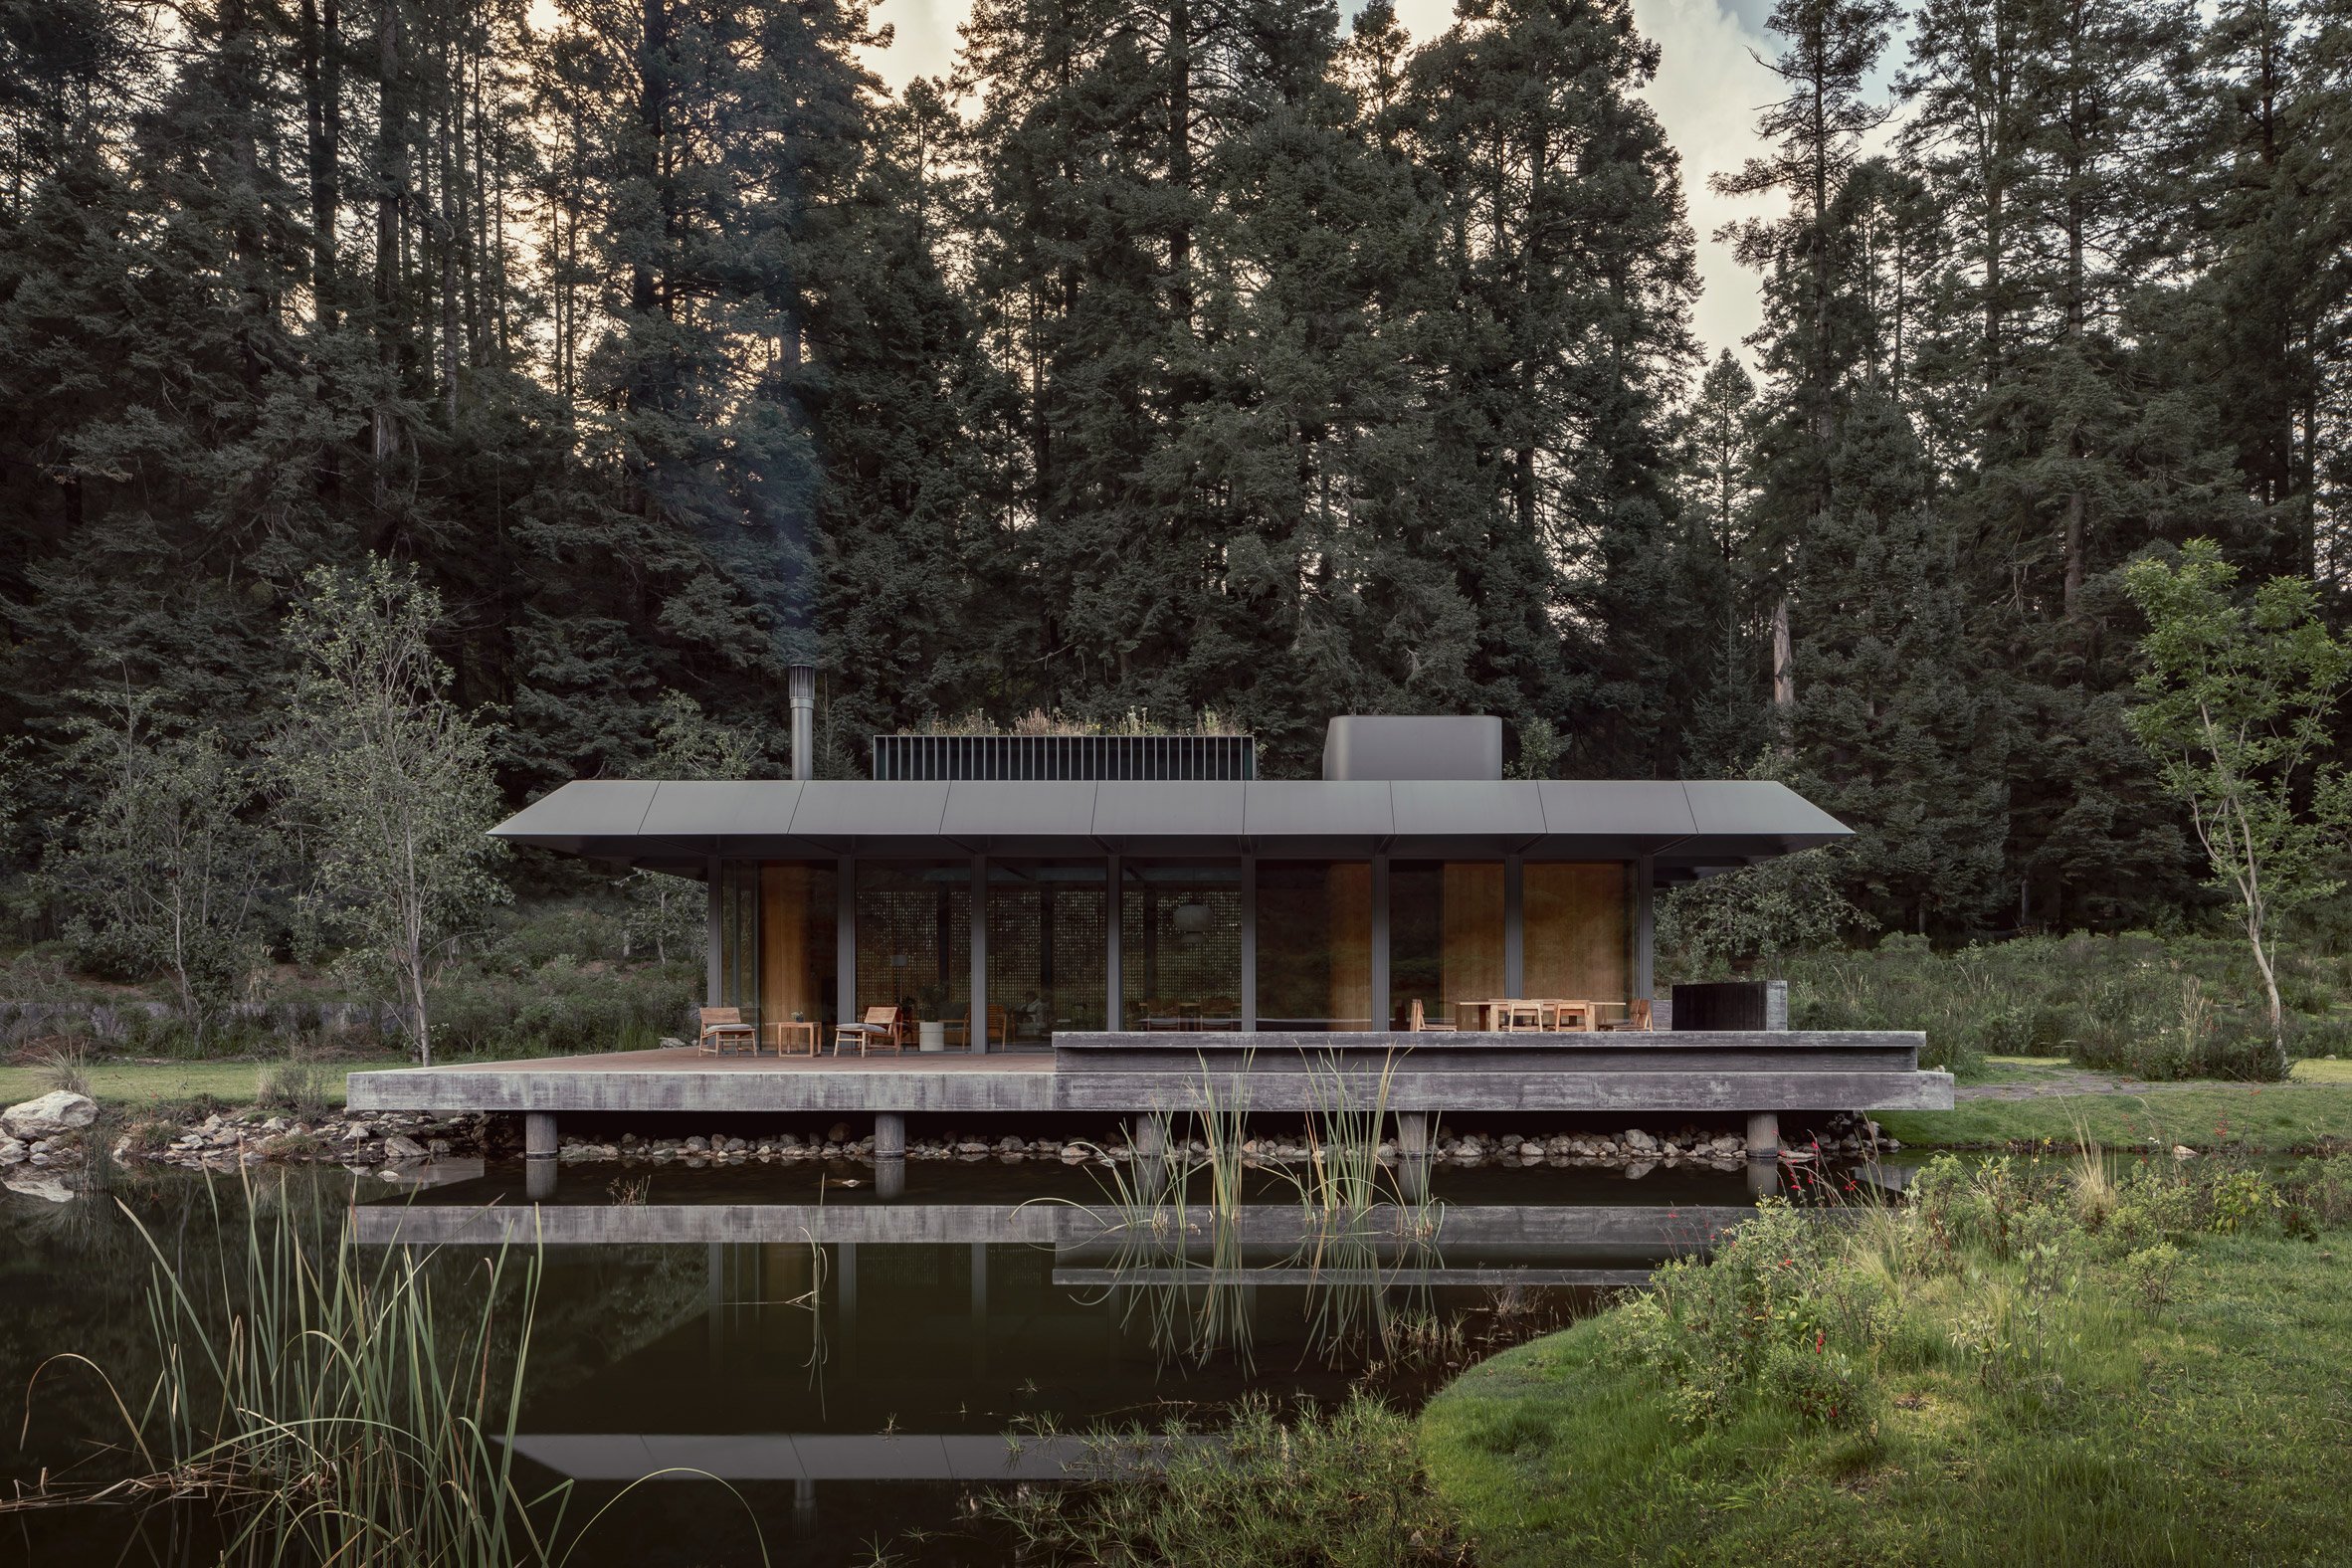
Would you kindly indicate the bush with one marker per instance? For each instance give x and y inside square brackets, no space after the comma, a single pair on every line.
[297,1083]
[1341,1488]
[1776,1312]
[1801,1314]
[2163,1009]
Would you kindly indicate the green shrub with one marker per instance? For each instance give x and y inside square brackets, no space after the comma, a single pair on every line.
[2163,1009]
[1776,1312]
[2151,1272]
[2240,1200]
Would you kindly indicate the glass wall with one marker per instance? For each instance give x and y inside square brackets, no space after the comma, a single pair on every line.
[1444,936]
[1577,919]
[914,938]
[1180,945]
[738,933]
[1314,944]
[798,941]
[1048,949]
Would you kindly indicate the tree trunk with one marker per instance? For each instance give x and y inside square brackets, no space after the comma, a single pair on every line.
[1784,662]
[323,125]
[391,176]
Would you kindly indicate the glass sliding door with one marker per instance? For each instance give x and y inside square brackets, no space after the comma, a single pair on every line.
[1314,944]
[914,938]
[1049,949]
[1444,936]
[1577,920]
[1180,945]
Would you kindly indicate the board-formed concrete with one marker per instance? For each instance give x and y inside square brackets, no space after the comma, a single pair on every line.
[1681,1071]
[1079,1230]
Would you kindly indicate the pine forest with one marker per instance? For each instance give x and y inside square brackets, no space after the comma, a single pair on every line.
[1176,356]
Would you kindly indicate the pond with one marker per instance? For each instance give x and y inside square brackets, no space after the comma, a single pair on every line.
[841,1370]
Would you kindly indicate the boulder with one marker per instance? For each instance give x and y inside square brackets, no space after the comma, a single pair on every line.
[58,1111]
[400,1146]
[1638,1141]
[12,1151]
[39,1184]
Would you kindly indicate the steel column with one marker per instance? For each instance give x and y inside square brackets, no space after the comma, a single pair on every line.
[1113,1010]
[978,1024]
[1514,927]
[844,942]
[1644,940]
[714,959]
[1248,941]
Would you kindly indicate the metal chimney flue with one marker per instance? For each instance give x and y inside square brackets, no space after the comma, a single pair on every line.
[803,692]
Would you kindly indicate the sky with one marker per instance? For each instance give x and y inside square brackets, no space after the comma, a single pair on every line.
[1706,94]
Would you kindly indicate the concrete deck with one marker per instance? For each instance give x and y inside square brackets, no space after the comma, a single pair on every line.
[1692,1072]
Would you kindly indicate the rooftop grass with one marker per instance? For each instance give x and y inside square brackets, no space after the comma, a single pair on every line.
[2028,1366]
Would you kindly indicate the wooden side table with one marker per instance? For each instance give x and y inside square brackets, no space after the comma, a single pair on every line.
[789,1033]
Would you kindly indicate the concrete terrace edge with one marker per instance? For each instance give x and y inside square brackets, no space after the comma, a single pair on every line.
[739,1092]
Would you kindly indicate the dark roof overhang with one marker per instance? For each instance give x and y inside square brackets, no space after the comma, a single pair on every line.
[1689,828]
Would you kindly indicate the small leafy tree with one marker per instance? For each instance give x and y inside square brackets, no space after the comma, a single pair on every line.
[1790,904]
[666,910]
[168,869]
[390,782]
[2237,696]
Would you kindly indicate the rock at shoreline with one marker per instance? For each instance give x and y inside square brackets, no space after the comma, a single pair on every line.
[56,1113]
[399,1146]
[39,1184]
[12,1151]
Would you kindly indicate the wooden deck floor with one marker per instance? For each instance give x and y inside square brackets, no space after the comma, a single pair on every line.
[692,1060]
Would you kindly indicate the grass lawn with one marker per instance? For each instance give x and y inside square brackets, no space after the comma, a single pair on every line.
[137,1084]
[2213,1429]
[2312,1109]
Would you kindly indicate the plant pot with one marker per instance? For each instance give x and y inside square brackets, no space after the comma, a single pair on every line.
[931,1035]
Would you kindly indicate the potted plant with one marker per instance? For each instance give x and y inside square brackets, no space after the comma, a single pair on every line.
[930,1029]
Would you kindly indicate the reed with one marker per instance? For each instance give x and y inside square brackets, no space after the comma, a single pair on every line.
[336,1405]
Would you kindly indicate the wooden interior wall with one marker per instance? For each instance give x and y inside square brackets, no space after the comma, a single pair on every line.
[1348,891]
[1474,930]
[787,983]
[1576,919]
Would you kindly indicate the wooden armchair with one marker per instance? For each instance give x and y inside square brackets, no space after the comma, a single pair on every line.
[722,1028]
[883,1025]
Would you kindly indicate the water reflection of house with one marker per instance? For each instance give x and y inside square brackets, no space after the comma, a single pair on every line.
[829,1346]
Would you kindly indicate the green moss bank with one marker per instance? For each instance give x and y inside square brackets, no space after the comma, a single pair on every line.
[2049,1400]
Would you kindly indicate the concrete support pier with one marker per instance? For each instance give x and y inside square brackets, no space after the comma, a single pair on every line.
[1763,1134]
[1413,1128]
[890,1136]
[538,1180]
[538,1134]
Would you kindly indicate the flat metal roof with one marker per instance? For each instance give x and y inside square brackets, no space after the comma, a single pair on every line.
[1692,828]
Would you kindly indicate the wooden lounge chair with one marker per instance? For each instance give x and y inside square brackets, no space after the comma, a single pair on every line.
[723,1028]
[1417,1022]
[882,1026]
[1638,1016]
